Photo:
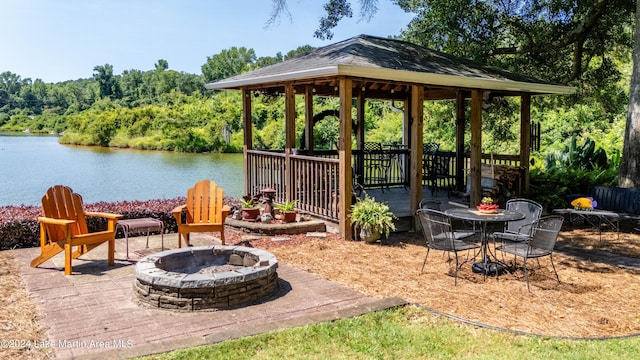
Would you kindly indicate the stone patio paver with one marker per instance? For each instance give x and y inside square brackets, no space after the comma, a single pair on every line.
[92,313]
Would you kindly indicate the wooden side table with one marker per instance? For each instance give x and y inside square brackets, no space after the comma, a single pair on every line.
[139,226]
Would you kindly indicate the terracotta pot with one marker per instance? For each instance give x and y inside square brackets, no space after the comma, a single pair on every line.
[289,216]
[250,213]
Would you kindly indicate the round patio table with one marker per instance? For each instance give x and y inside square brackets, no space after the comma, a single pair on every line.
[486,266]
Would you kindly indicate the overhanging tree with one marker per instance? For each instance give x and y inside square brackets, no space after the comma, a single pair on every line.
[574,42]
[629,171]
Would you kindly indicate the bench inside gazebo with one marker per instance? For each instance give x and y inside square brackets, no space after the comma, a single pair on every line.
[366,67]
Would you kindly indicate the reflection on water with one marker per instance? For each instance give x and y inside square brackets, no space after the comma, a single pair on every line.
[31,164]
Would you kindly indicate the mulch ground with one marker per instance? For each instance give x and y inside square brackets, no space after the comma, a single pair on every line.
[598,295]
[19,317]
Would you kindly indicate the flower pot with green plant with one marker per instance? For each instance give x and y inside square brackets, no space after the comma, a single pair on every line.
[250,209]
[372,218]
[288,211]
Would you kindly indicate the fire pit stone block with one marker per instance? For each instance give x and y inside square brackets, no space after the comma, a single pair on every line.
[206,278]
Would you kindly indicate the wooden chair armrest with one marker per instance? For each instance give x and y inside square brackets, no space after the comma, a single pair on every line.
[53,221]
[178,209]
[177,213]
[104,215]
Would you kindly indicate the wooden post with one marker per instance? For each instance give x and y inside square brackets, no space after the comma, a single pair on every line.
[525,138]
[406,122]
[308,118]
[406,138]
[290,138]
[248,137]
[359,168]
[360,102]
[460,159]
[417,121]
[475,166]
[344,155]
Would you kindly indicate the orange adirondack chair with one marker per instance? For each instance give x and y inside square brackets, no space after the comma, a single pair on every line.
[203,211]
[64,226]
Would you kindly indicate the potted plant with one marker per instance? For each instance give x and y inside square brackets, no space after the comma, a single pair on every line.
[372,218]
[250,211]
[288,211]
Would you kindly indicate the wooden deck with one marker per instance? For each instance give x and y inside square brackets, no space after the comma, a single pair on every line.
[399,202]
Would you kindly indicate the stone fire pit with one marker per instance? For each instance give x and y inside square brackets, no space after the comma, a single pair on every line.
[206,278]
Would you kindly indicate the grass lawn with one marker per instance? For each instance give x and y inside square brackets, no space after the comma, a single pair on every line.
[406,333]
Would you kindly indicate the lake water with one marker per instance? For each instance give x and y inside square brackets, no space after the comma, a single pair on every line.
[29,165]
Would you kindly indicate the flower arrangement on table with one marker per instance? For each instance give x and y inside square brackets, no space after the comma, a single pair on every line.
[487,205]
[584,203]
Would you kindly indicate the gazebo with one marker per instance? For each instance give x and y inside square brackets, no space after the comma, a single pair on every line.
[367,67]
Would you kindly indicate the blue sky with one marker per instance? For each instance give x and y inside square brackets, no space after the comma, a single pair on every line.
[58,40]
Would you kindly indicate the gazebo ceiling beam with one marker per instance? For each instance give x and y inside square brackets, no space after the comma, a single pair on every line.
[382,90]
[441,94]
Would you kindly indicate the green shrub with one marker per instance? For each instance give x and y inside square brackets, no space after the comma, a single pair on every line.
[571,172]
[551,188]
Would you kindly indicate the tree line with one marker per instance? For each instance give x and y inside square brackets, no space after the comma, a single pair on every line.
[170,110]
[159,109]
[132,88]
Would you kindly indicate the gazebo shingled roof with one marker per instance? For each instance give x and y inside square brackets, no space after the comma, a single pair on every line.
[378,58]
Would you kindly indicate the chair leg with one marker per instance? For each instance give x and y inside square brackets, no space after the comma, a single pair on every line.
[455,274]
[554,268]
[112,252]
[67,258]
[425,261]
[526,275]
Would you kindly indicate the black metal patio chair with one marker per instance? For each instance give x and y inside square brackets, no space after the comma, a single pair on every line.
[439,235]
[541,242]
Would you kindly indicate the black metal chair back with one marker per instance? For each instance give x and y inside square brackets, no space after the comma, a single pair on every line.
[439,235]
[369,146]
[532,211]
[430,148]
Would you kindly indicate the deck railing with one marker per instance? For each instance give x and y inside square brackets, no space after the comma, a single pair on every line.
[266,170]
[375,168]
[315,184]
[314,178]
[446,178]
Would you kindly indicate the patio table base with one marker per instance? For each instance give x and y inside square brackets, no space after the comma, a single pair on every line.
[488,268]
